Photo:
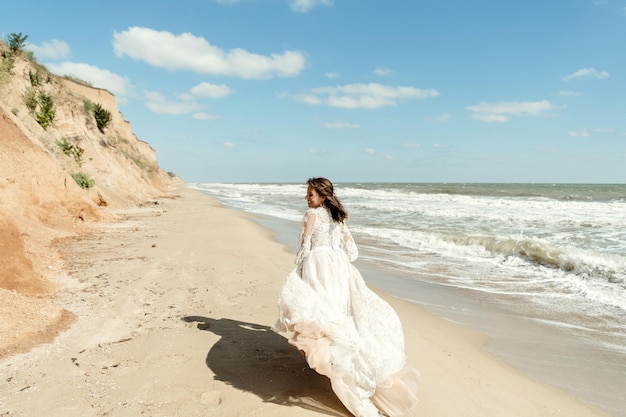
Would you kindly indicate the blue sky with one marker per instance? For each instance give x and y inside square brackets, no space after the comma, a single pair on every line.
[355,90]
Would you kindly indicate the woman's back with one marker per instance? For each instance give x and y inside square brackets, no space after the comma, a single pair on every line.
[326,232]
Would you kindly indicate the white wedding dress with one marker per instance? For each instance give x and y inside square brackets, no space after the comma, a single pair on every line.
[345,330]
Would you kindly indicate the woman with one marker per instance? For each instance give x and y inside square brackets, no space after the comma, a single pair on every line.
[343,329]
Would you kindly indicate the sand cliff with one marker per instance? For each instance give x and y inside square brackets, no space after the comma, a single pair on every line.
[41,202]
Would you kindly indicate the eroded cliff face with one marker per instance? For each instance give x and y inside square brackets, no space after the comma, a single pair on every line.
[40,201]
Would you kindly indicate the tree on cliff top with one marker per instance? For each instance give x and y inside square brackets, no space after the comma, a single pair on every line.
[16,42]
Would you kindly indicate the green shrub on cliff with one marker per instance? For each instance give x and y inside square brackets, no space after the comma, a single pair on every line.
[83,180]
[35,78]
[34,100]
[72,150]
[46,113]
[102,115]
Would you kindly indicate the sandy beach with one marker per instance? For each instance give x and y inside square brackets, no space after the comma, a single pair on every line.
[173,304]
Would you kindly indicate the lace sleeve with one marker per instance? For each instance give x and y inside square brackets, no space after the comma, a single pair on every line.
[304,241]
[347,243]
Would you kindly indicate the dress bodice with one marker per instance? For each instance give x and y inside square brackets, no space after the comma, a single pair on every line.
[325,233]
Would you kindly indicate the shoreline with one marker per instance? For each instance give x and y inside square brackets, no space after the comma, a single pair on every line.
[174,305]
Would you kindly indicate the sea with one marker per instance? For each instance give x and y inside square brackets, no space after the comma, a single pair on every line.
[538,268]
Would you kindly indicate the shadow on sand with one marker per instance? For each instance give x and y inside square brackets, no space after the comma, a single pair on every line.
[253,358]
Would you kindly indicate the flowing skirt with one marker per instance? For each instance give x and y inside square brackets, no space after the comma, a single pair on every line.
[349,334]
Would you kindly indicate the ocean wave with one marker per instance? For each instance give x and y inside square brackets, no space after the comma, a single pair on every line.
[585,264]
[589,265]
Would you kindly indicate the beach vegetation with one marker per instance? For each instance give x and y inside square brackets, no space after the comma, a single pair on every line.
[35,78]
[46,114]
[83,180]
[16,42]
[41,106]
[102,115]
[69,149]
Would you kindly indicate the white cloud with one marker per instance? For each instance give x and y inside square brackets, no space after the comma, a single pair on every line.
[370,151]
[584,133]
[363,96]
[54,49]
[187,102]
[587,73]
[205,116]
[383,72]
[308,99]
[159,104]
[98,77]
[229,145]
[359,101]
[566,93]
[490,117]
[304,6]
[501,111]
[188,52]
[390,157]
[340,125]
[208,90]
[332,74]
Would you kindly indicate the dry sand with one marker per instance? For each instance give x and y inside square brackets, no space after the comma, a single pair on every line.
[173,305]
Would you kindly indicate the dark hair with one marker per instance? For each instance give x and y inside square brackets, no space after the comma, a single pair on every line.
[325,189]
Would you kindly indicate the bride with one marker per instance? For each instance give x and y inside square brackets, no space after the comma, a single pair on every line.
[343,329]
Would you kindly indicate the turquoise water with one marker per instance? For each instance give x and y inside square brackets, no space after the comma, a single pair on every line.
[551,258]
